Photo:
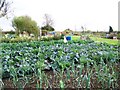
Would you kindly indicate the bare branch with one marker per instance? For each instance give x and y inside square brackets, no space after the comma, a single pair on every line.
[48,20]
[4,8]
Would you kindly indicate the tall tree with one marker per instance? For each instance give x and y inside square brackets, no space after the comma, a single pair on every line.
[48,20]
[48,23]
[25,23]
[4,8]
[110,29]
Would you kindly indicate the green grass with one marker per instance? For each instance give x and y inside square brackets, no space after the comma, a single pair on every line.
[75,37]
[109,41]
[97,39]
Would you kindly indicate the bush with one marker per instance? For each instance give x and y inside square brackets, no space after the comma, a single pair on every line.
[21,39]
[46,38]
[16,39]
[57,37]
[6,40]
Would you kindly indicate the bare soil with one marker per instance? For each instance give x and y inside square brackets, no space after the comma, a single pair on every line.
[53,80]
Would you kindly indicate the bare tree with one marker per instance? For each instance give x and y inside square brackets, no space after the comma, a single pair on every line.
[83,28]
[48,23]
[48,20]
[4,8]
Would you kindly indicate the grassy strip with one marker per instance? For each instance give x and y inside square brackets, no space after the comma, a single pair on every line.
[75,37]
[97,39]
[109,41]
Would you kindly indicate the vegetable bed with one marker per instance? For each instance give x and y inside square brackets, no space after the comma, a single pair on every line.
[54,64]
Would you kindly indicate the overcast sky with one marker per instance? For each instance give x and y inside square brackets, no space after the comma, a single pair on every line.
[92,14]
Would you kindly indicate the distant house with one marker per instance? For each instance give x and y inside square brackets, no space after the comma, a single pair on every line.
[8,32]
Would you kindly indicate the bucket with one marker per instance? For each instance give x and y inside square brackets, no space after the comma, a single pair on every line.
[68,38]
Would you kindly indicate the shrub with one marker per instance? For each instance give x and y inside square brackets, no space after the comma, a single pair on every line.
[57,37]
[46,38]
[6,40]
[16,39]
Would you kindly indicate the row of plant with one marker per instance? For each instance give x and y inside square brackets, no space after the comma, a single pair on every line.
[96,77]
[82,62]
[15,39]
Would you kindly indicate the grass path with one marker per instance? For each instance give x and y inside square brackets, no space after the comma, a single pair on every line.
[97,39]
[109,41]
[75,37]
